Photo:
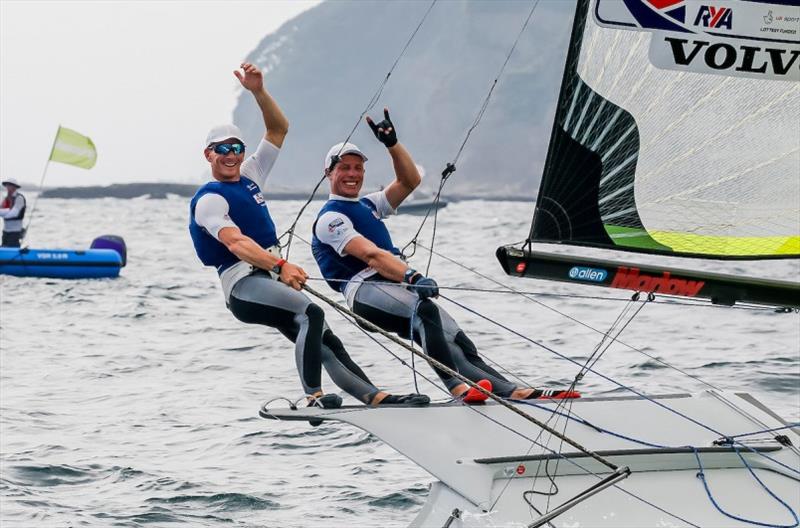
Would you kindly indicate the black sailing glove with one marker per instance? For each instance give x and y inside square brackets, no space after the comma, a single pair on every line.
[384,131]
[424,286]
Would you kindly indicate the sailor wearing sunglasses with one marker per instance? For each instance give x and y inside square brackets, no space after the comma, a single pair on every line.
[233,231]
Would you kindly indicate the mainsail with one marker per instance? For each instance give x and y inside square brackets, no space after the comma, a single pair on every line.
[677,131]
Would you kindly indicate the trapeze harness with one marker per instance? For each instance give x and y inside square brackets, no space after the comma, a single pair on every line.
[255,296]
[391,306]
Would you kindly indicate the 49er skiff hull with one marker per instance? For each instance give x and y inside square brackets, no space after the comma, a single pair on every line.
[498,469]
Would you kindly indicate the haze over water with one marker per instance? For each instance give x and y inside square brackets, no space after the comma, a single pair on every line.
[133,402]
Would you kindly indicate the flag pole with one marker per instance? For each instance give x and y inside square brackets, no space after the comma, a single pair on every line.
[41,183]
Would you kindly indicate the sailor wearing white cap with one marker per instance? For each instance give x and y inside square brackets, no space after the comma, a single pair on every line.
[357,257]
[12,211]
[233,231]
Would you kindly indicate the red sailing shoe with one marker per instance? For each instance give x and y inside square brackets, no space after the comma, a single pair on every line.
[473,395]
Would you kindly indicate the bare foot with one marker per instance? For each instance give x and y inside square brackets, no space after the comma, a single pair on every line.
[459,390]
[521,394]
[378,398]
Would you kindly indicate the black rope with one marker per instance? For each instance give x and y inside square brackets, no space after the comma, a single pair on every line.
[373,100]
[450,168]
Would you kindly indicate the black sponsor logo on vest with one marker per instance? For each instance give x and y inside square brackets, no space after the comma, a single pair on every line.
[724,56]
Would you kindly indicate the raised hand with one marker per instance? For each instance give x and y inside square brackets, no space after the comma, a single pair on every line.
[384,131]
[252,79]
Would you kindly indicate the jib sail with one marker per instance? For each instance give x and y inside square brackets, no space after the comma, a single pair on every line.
[677,130]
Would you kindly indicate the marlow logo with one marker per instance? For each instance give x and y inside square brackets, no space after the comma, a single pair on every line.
[631,279]
[714,17]
[588,274]
[724,56]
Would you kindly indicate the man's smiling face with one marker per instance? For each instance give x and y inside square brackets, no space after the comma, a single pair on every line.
[224,167]
[347,176]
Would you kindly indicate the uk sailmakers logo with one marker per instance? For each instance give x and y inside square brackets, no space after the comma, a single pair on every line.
[723,37]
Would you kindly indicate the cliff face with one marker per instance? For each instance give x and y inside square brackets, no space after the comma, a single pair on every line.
[324,65]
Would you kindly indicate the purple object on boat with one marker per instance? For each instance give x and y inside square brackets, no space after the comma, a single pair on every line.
[112,242]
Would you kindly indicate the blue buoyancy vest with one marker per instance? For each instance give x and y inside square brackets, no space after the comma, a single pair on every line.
[246,208]
[336,269]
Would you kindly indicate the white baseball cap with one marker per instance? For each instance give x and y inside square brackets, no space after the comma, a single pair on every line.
[341,149]
[223,132]
[11,181]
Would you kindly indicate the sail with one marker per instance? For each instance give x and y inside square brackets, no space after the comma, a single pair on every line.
[677,130]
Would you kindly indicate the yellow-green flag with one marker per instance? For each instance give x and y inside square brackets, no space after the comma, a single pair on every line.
[73,149]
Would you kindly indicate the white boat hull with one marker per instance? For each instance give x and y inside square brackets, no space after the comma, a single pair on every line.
[487,462]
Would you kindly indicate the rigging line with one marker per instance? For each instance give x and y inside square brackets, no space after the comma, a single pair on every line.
[787,426]
[619,333]
[505,370]
[573,319]
[485,104]
[435,221]
[622,386]
[562,356]
[701,475]
[510,291]
[373,100]
[453,373]
[750,417]
[353,321]
[451,167]
[568,416]
[583,421]
[589,363]
[433,206]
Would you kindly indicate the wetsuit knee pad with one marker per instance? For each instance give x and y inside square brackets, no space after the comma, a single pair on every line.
[330,340]
[429,312]
[316,316]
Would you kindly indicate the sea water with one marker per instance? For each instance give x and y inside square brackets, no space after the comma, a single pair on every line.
[133,401]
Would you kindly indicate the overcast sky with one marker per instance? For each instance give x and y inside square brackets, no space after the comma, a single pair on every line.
[144,79]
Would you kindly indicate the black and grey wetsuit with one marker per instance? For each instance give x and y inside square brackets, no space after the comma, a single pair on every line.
[255,296]
[388,304]
[258,298]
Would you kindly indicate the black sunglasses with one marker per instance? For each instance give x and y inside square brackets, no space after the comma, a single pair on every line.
[226,148]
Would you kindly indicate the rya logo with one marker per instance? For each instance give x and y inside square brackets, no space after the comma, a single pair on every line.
[714,17]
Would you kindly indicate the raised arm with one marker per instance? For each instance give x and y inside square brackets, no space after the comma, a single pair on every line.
[275,122]
[407,176]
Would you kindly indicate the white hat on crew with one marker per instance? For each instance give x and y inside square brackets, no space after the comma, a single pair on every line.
[223,132]
[11,181]
[341,149]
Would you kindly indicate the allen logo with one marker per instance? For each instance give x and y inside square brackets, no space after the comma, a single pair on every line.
[631,279]
[714,17]
[588,274]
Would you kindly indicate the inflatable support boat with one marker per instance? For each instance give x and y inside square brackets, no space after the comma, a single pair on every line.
[106,256]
